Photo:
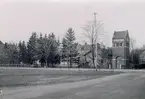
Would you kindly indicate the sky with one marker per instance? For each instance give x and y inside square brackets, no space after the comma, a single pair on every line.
[19,18]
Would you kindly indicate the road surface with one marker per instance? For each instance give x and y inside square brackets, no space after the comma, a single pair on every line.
[121,86]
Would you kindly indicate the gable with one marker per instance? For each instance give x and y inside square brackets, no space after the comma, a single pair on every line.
[127,37]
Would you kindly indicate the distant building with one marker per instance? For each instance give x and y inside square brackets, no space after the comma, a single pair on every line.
[1,47]
[2,54]
[85,55]
[142,58]
[120,49]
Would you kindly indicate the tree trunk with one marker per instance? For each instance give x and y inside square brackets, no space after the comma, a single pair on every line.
[70,62]
[46,62]
[93,56]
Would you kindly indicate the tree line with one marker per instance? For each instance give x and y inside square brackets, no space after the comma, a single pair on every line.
[50,51]
[43,48]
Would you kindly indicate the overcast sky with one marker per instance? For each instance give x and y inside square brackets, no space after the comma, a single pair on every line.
[19,18]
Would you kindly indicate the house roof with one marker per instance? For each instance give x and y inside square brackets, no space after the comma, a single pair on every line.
[1,42]
[1,48]
[85,49]
[120,34]
[142,56]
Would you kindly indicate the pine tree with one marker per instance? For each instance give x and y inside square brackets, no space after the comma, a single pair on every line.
[32,48]
[41,53]
[70,44]
[23,52]
[48,49]
[53,55]
[64,49]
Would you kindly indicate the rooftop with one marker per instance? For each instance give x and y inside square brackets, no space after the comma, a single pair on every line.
[120,34]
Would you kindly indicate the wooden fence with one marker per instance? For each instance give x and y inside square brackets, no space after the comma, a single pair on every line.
[16,65]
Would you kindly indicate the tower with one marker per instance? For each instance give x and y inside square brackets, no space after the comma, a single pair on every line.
[120,49]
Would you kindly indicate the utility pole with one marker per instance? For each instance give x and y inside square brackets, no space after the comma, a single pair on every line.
[96,39]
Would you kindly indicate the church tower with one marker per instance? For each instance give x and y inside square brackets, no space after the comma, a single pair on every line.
[120,49]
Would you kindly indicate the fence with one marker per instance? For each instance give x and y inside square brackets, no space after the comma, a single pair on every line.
[38,66]
[16,65]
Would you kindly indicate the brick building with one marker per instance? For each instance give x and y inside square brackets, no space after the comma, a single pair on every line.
[120,49]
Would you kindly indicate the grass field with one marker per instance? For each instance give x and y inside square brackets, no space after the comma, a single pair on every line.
[28,77]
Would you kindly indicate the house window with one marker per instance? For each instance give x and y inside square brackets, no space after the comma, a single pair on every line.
[117,44]
[114,44]
[127,44]
[120,44]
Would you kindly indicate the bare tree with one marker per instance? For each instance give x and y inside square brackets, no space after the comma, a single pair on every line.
[132,44]
[132,50]
[93,31]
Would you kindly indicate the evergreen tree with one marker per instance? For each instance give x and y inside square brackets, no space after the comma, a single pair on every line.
[48,49]
[64,49]
[41,53]
[53,57]
[70,45]
[134,56]
[23,52]
[32,48]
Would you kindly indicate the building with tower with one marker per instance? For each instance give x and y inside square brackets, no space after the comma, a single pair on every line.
[120,49]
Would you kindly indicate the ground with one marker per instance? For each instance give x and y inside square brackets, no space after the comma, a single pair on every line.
[129,85]
[14,77]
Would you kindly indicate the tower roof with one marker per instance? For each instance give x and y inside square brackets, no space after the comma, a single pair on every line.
[120,34]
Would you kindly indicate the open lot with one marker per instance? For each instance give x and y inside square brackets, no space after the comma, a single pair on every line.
[121,86]
[15,77]
[71,84]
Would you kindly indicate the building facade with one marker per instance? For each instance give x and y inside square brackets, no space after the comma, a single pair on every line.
[120,50]
[85,54]
[142,58]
